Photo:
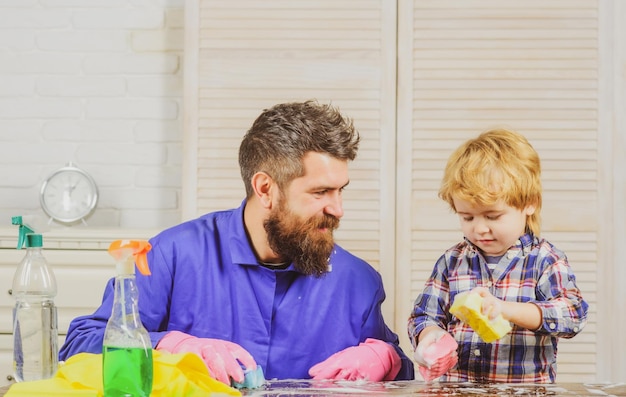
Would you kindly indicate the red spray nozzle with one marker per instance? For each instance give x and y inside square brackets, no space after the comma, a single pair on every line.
[122,249]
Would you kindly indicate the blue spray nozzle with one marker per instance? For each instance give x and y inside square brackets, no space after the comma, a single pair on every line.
[24,230]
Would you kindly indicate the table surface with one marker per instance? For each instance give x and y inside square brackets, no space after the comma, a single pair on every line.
[307,388]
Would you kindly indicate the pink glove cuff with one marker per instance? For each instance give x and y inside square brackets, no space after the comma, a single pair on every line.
[388,357]
[171,340]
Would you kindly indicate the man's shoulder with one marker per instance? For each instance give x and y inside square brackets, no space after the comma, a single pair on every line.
[345,261]
[200,226]
[343,254]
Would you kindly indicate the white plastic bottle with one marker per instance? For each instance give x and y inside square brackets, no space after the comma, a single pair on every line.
[35,329]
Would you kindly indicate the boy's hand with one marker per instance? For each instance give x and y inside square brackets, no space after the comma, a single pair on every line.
[526,315]
[491,306]
[436,353]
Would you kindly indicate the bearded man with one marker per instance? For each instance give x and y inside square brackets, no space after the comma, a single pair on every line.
[265,284]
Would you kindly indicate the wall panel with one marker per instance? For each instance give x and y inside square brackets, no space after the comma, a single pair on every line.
[246,56]
[533,67]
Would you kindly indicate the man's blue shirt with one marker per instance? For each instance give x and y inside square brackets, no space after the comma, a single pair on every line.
[206,281]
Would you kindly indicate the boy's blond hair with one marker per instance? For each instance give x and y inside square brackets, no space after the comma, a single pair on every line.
[497,165]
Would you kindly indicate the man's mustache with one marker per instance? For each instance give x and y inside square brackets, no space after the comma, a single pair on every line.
[326,222]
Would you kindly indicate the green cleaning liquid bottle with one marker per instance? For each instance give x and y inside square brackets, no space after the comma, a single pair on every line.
[35,330]
[127,350]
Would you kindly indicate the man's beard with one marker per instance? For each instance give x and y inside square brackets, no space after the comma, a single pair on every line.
[301,241]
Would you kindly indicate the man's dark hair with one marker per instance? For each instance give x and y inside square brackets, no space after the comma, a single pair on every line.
[281,136]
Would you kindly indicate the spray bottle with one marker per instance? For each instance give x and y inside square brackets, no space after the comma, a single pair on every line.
[127,350]
[35,329]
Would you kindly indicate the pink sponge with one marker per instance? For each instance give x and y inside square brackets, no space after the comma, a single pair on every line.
[441,356]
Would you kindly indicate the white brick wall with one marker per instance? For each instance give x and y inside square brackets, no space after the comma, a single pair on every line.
[98,83]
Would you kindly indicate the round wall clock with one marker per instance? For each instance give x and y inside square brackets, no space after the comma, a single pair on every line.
[69,194]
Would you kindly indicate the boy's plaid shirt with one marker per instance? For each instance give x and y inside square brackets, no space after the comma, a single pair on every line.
[532,271]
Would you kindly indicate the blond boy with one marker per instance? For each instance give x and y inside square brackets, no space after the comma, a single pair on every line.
[493,184]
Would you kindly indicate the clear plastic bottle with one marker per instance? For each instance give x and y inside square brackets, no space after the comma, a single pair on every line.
[127,351]
[35,329]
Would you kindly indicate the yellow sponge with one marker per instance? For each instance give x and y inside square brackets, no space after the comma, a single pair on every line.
[467,307]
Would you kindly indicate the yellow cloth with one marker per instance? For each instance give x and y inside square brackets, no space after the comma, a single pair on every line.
[180,375]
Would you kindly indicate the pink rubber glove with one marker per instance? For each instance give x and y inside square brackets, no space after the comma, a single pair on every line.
[436,354]
[372,360]
[221,357]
